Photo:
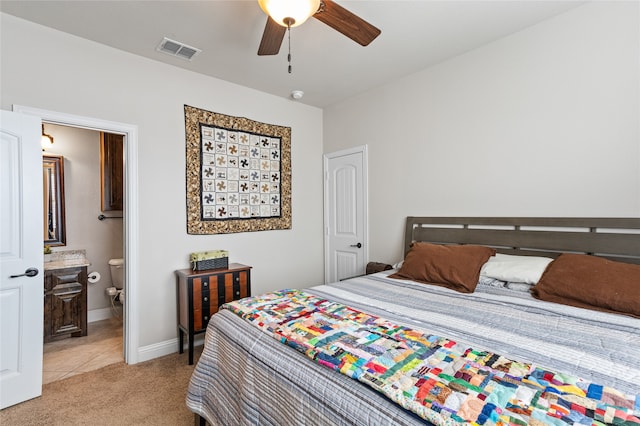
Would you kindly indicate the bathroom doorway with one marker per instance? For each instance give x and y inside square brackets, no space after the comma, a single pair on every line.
[93,189]
[129,234]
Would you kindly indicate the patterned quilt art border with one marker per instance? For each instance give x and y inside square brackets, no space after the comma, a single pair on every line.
[238,174]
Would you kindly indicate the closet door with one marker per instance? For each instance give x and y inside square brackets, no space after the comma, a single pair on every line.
[345,217]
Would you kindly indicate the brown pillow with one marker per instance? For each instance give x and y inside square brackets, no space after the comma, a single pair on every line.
[454,266]
[591,282]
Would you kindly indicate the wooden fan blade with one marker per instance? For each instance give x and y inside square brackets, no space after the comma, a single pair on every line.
[271,38]
[345,22]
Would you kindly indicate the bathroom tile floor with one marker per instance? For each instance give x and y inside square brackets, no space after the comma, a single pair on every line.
[75,355]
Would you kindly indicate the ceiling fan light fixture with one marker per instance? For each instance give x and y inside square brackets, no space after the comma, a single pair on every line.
[283,11]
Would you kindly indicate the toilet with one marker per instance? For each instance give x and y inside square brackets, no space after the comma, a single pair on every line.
[117,276]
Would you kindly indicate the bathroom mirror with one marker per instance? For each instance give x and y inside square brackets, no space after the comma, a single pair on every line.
[53,191]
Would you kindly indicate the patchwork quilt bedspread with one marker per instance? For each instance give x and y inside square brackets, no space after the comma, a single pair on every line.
[438,379]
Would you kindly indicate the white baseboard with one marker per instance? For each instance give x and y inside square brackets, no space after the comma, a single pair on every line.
[156,350]
[99,314]
[149,352]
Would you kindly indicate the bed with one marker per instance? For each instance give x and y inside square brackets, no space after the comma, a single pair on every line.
[245,376]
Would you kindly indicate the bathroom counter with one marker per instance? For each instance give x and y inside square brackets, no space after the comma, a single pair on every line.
[62,264]
[65,259]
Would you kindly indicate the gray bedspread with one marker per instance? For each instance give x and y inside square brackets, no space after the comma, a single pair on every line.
[245,377]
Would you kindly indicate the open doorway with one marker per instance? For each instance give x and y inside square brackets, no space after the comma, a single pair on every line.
[130,209]
[91,209]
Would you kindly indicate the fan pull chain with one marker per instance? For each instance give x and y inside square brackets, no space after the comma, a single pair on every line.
[289,55]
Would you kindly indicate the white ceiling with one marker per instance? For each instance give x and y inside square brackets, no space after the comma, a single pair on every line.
[327,66]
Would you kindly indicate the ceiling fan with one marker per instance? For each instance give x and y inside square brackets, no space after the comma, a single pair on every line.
[326,11]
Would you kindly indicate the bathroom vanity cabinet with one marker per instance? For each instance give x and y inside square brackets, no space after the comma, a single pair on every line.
[65,302]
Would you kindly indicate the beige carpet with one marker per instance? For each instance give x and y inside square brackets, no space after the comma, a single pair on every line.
[149,393]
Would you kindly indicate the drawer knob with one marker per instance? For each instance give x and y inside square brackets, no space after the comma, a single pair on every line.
[206,318]
[206,284]
[237,293]
[206,299]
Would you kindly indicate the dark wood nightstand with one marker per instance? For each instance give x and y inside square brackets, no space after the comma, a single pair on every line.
[373,267]
[201,293]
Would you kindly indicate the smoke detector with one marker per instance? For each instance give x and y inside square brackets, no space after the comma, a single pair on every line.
[297,94]
[177,49]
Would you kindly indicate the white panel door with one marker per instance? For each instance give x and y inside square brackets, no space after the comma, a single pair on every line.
[21,258]
[345,197]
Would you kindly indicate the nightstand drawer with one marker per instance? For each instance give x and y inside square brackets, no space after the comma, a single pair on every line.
[201,319]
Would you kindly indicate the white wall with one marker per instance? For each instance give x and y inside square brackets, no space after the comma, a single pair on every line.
[50,70]
[102,240]
[544,122]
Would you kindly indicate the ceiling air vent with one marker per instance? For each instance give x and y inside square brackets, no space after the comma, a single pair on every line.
[175,48]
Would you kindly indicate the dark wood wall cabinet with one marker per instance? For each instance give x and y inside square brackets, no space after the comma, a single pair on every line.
[65,303]
[201,293]
[112,171]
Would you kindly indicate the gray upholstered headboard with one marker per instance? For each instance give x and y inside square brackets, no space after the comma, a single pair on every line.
[613,238]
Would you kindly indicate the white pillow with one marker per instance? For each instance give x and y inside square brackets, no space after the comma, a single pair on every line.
[520,269]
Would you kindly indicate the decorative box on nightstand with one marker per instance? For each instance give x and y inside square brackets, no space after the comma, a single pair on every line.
[201,293]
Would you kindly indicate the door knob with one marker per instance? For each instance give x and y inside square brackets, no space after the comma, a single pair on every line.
[30,272]
[359,245]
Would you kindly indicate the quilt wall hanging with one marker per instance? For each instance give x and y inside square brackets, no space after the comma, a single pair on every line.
[238,174]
